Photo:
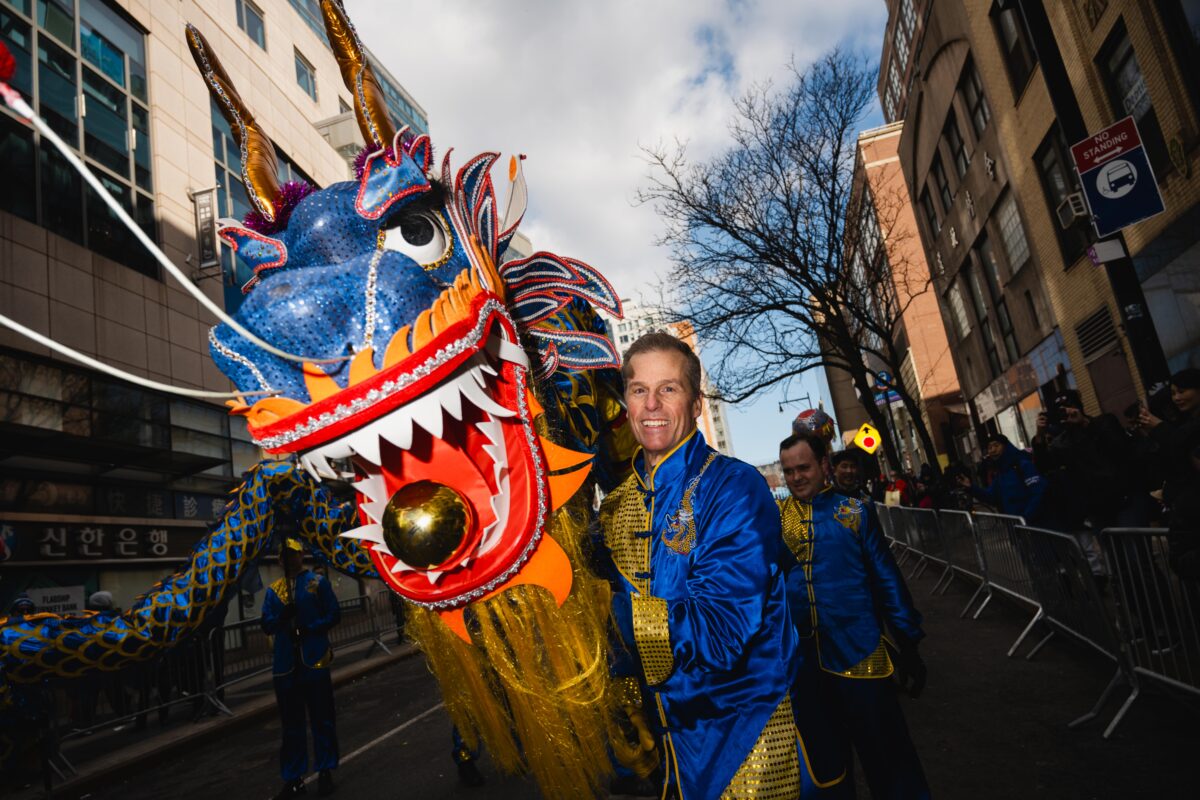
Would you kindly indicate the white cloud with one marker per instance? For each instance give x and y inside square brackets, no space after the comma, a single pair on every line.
[579,86]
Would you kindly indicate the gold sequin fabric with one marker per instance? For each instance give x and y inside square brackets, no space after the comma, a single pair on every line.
[876,665]
[652,631]
[796,518]
[624,515]
[772,769]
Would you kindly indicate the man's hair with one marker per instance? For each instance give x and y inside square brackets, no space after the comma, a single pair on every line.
[840,456]
[663,342]
[998,437]
[816,443]
[1187,378]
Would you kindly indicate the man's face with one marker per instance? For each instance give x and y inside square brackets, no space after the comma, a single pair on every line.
[802,471]
[995,449]
[1073,415]
[845,474]
[661,408]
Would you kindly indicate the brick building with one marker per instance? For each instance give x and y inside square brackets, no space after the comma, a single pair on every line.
[996,93]
[103,484]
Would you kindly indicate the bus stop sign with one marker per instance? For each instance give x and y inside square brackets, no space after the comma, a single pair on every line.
[1117,180]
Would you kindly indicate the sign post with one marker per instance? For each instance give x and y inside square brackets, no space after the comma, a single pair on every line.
[1116,176]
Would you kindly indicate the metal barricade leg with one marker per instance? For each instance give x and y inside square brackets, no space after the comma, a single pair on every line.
[983,587]
[1036,619]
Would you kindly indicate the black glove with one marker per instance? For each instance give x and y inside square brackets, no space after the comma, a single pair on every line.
[910,668]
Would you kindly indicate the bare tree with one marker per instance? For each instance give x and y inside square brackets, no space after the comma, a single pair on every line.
[779,260]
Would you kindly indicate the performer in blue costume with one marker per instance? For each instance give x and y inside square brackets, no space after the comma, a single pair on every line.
[843,587]
[698,594]
[299,610]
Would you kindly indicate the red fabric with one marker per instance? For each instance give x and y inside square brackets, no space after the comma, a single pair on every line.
[8,64]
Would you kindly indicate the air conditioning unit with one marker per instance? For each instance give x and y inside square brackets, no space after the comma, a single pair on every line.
[1072,208]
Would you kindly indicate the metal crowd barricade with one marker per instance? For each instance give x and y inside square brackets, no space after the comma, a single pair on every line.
[962,546]
[923,526]
[1157,612]
[885,525]
[1005,564]
[1072,605]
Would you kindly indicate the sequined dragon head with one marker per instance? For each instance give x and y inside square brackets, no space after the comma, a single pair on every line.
[423,345]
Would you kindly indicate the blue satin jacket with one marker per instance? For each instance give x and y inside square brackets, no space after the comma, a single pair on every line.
[317,611]
[731,656]
[855,584]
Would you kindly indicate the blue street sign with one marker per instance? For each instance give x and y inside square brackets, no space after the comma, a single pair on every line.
[1116,176]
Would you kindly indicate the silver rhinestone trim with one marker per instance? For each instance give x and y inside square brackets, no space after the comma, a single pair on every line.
[238,358]
[372,288]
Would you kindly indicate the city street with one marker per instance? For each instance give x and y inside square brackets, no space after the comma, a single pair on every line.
[986,727]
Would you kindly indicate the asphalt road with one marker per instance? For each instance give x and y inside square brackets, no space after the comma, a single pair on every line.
[987,727]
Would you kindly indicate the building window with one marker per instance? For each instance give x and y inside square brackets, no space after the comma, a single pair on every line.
[402,110]
[956,145]
[1059,180]
[895,89]
[958,310]
[900,45]
[971,88]
[931,217]
[1016,246]
[250,19]
[343,106]
[306,76]
[1015,45]
[94,96]
[1129,96]
[908,17]
[943,185]
[310,12]
[1181,19]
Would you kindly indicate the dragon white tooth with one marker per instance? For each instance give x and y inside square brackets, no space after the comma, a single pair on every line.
[400,566]
[370,533]
[321,466]
[336,450]
[508,351]
[397,429]
[481,399]
[372,488]
[451,400]
[366,443]
[432,576]
[427,412]
[309,468]
[374,510]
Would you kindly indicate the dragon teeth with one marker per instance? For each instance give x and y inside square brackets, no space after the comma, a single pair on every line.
[368,533]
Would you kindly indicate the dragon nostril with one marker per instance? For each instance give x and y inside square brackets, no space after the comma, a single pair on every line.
[425,523]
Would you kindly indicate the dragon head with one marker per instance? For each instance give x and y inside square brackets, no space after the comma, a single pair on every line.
[417,385]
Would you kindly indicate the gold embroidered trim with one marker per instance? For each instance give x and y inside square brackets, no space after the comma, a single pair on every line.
[771,771]
[680,535]
[283,590]
[622,515]
[797,528]
[876,665]
[653,635]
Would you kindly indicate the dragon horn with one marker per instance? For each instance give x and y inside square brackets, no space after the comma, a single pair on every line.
[259,170]
[369,106]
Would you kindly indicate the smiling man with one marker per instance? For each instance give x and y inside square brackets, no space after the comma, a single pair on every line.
[694,543]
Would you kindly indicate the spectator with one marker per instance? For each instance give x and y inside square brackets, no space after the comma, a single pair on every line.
[846,474]
[1016,488]
[1091,461]
[22,605]
[1173,436]
[1184,538]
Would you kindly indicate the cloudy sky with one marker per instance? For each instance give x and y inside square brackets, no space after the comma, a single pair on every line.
[579,87]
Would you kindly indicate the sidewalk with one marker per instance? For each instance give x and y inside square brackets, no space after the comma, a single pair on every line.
[107,756]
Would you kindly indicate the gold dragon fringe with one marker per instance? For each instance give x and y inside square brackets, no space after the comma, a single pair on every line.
[534,688]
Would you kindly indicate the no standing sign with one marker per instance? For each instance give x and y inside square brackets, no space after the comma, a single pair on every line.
[1116,177]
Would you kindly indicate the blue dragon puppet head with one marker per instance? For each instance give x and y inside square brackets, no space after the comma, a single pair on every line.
[418,376]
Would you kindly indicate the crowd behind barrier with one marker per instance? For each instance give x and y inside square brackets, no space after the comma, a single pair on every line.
[1146,625]
[209,673]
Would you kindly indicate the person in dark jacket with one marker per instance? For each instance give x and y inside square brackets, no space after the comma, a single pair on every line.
[1017,488]
[1173,436]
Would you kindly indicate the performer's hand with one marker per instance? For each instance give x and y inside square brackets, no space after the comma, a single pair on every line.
[910,669]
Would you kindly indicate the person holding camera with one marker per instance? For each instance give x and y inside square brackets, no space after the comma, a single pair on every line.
[298,611]
[1016,487]
[1175,437]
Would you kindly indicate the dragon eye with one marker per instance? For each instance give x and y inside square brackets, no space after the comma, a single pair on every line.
[420,235]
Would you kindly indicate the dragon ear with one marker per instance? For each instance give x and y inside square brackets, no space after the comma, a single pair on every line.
[388,176]
[261,252]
